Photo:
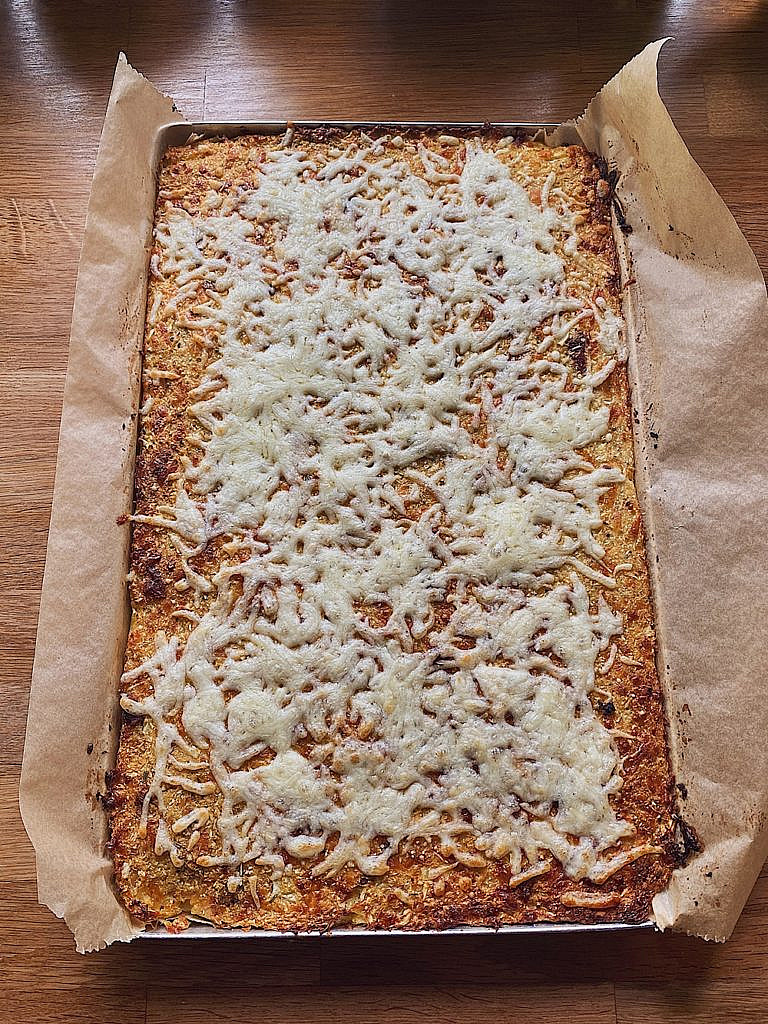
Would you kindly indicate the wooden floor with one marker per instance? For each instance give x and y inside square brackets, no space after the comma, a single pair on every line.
[387,60]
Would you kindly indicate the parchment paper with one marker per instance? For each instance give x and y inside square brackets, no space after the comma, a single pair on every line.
[698,318]
[72,722]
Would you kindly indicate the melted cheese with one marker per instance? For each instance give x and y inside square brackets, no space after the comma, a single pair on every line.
[369,326]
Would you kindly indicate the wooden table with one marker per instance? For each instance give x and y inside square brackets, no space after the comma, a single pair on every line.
[371,60]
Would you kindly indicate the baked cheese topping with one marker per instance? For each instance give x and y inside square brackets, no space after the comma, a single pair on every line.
[393,452]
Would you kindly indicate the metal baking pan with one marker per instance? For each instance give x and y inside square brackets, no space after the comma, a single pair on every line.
[177,134]
[207,931]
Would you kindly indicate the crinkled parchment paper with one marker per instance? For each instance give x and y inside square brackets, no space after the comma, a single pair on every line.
[698,317]
[73,715]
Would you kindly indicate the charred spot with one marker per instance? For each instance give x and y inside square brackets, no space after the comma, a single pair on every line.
[608,174]
[154,585]
[683,790]
[149,570]
[225,897]
[613,282]
[577,351]
[129,718]
[140,911]
[684,841]
[621,218]
[108,800]
[606,707]
[162,465]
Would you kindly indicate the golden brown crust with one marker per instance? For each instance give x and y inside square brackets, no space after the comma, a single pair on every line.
[420,890]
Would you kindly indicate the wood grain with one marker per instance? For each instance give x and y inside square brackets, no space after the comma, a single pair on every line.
[395,59]
[385,1004]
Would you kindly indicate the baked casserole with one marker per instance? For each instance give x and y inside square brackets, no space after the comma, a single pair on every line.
[391,658]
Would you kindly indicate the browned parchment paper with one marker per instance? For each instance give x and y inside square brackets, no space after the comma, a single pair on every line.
[698,319]
[699,323]
[83,624]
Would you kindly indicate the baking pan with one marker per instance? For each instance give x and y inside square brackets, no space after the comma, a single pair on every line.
[207,931]
[178,133]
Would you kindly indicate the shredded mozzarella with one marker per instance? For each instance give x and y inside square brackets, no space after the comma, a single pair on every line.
[376,351]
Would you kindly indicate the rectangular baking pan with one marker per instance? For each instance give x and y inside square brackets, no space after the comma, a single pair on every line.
[178,133]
